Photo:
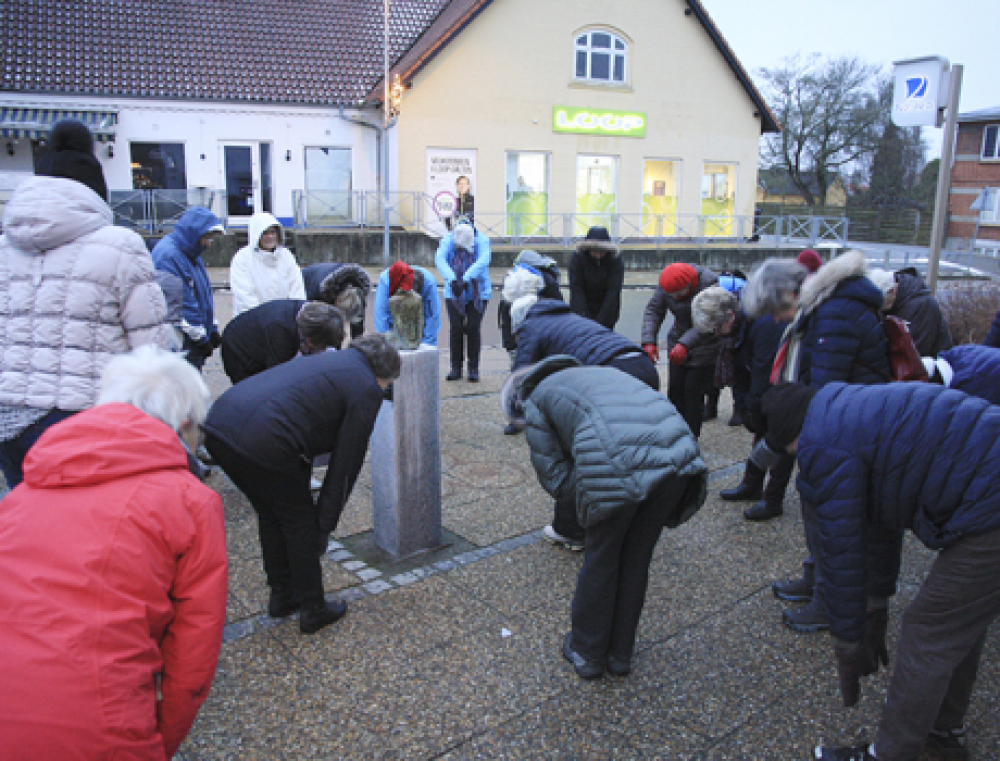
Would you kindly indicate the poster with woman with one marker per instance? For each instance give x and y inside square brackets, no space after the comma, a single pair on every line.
[451,187]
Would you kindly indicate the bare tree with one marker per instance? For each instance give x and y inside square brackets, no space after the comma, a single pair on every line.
[830,112]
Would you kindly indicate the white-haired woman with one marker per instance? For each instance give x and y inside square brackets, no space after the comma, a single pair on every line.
[113,558]
[463,260]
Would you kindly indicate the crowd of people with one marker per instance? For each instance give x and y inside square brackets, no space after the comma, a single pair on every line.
[109,534]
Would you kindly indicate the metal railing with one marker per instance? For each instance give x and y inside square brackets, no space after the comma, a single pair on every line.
[152,211]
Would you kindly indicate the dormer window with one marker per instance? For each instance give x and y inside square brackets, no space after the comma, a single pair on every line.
[600,57]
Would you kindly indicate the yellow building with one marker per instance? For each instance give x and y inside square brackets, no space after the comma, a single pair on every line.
[634,114]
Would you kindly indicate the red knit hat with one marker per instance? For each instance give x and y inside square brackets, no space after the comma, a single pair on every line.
[400,277]
[677,277]
[810,260]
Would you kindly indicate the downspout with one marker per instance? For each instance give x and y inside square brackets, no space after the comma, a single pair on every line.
[378,146]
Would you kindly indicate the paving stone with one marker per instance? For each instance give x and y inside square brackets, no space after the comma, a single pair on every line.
[368,574]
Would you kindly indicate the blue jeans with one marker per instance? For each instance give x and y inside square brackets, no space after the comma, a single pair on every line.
[13,452]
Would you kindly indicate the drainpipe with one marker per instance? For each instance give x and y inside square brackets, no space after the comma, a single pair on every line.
[379,136]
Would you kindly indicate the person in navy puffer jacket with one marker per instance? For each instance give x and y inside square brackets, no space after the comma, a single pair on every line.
[876,461]
[969,368]
[179,253]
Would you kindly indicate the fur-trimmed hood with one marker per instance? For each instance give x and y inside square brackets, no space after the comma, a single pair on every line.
[344,276]
[821,286]
[587,245]
[711,308]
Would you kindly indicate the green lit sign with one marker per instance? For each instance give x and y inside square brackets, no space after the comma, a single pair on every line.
[589,121]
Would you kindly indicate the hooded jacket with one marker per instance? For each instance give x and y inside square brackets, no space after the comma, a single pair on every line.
[551,328]
[256,275]
[976,371]
[113,559]
[179,253]
[595,285]
[74,291]
[703,348]
[916,304]
[479,272]
[607,440]
[261,338]
[282,418]
[877,461]
[837,334]
[326,280]
[429,295]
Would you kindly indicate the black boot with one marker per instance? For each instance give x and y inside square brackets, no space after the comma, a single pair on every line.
[763,511]
[584,669]
[473,374]
[315,617]
[807,619]
[282,602]
[750,489]
[796,590]
[455,374]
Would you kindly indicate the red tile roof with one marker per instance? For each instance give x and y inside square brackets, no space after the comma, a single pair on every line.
[322,52]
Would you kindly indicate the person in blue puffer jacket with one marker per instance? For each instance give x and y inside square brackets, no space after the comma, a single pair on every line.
[969,368]
[876,461]
[463,260]
[179,253]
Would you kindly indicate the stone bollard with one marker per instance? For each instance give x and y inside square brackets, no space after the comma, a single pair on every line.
[406,459]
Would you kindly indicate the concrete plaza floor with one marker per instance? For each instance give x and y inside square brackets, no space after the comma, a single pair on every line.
[457,655]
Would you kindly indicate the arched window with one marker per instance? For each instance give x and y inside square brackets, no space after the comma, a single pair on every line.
[600,57]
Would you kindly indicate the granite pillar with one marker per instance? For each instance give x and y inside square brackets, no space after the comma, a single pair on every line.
[406,459]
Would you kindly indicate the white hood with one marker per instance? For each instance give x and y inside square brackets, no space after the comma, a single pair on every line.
[48,212]
[260,222]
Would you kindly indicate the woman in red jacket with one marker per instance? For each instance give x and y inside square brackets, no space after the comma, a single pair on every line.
[113,560]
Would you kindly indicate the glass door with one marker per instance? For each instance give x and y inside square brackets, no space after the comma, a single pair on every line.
[246,168]
[596,192]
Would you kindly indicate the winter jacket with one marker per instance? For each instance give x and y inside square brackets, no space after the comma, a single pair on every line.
[552,328]
[479,272]
[432,306]
[326,280]
[763,339]
[180,254]
[993,336]
[606,439]
[876,461]
[282,418]
[113,559]
[838,333]
[703,349]
[257,276]
[261,338]
[915,304]
[549,271]
[74,291]
[976,371]
[595,285]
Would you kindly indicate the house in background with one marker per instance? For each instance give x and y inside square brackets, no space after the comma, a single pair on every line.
[975,175]
[775,186]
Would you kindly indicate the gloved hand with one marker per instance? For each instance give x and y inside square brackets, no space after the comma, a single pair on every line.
[215,341]
[678,354]
[852,664]
[653,351]
[457,286]
[875,625]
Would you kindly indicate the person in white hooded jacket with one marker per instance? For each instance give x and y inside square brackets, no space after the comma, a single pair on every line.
[264,270]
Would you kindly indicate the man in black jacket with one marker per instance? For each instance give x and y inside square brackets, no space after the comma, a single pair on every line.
[596,276]
[264,433]
[275,332]
[913,301]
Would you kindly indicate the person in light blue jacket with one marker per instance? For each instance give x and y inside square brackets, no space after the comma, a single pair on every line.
[419,281]
[463,259]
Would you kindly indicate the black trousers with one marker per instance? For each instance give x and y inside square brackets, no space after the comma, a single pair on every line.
[640,368]
[286,520]
[611,587]
[686,391]
[465,332]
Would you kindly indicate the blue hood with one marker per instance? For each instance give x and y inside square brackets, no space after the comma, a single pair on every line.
[192,225]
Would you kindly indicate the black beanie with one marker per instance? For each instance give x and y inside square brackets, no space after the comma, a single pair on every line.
[71,155]
[785,408]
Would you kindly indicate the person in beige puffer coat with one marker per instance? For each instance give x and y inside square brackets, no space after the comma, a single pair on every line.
[74,291]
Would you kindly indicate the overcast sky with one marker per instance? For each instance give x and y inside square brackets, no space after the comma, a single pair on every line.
[763,32]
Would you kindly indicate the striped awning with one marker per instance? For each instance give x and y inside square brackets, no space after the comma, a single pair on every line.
[35,123]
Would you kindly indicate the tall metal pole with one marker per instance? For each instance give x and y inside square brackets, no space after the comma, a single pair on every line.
[385,140]
[944,178]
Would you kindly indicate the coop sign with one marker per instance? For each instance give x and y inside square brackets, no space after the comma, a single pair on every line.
[920,91]
[586,121]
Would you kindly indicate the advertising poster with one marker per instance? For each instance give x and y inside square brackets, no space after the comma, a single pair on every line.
[451,186]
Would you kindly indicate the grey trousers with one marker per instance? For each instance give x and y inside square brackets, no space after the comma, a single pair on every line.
[942,637]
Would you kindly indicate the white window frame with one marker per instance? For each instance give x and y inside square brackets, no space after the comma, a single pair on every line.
[613,52]
[996,143]
[991,214]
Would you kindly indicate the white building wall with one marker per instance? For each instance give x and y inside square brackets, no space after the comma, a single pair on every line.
[204,128]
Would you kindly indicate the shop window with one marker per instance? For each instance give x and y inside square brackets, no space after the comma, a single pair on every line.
[158,166]
[991,211]
[600,56]
[596,192]
[527,193]
[991,142]
[328,184]
[660,181]
[718,199]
